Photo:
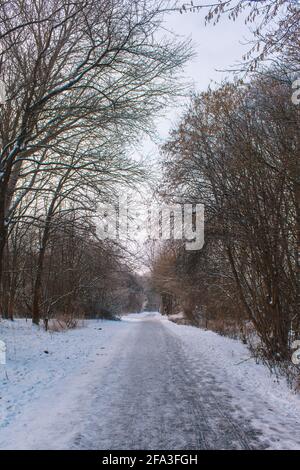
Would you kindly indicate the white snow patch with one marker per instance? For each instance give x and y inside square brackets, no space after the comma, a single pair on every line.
[43,395]
[259,396]
[176,316]
[37,387]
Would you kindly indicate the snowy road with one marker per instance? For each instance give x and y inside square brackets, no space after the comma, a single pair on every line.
[157,401]
[140,383]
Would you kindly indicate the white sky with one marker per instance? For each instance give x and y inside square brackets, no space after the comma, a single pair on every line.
[217,49]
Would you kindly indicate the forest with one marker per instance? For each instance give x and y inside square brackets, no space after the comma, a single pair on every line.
[81,83]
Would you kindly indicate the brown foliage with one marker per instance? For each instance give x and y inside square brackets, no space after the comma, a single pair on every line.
[237,151]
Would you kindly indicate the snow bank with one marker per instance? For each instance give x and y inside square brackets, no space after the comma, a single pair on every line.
[50,379]
[41,367]
[257,395]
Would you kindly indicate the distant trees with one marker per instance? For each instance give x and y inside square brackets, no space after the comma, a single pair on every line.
[237,151]
[82,80]
[81,276]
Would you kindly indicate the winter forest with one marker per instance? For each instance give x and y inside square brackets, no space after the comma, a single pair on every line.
[97,106]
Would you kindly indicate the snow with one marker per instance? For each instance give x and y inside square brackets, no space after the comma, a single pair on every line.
[258,395]
[176,316]
[49,399]
[34,383]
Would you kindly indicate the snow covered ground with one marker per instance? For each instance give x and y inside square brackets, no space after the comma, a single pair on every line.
[256,395]
[37,387]
[143,382]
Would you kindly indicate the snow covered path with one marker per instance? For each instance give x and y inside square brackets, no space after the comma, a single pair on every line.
[156,401]
[142,383]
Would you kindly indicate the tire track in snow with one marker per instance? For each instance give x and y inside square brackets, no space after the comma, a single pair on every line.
[154,397]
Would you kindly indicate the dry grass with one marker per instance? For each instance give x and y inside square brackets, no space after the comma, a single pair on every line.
[65,322]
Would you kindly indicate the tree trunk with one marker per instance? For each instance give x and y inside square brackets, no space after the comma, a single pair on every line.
[36,314]
[7,187]
[3,239]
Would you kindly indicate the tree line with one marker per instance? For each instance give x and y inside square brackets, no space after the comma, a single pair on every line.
[82,81]
[236,150]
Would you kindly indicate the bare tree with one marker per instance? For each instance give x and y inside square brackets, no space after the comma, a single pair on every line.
[274,25]
[77,75]
[237,151]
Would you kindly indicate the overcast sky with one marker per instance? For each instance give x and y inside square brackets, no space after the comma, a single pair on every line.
[217,48]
